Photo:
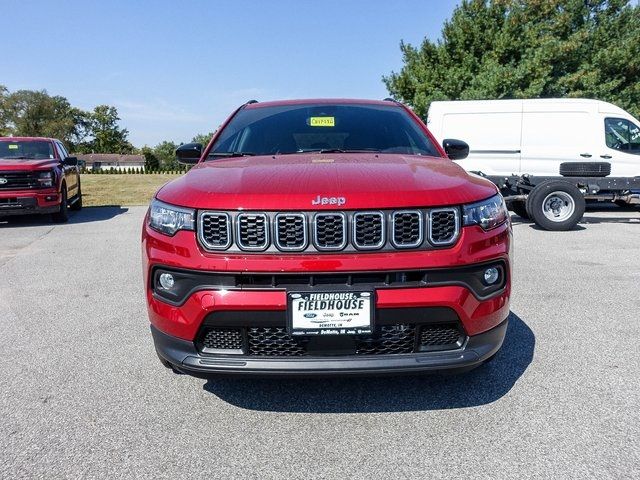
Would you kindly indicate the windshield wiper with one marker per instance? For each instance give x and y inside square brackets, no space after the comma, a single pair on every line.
[338,150]
[231,154]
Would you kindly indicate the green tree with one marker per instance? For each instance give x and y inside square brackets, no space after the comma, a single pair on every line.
[151,162]
[526,49]
[4,120]
[166,154]
[202,138]
[38,114]
[108,137]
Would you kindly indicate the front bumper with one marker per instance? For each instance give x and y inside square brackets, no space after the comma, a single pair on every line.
[29,202]
[182,354]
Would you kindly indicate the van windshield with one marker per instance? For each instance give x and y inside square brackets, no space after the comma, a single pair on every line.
[26,149]
[323,128]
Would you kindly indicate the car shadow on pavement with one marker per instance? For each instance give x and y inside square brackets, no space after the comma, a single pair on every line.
[402,393]
[86,215]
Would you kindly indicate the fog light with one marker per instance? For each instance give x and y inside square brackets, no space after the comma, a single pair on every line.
[167,281]
[491,275]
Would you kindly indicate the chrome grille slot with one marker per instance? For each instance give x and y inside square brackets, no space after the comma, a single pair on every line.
[215,230]
[291,231]
[368,230]
[253,231]
[407,228]
[444,225]
[330,231]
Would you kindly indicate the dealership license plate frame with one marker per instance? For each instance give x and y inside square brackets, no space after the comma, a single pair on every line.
[363,327]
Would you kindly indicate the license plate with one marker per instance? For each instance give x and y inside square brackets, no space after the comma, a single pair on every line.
[330,313]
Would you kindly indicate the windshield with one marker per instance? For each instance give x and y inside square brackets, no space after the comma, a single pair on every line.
[28,149]
[322,128]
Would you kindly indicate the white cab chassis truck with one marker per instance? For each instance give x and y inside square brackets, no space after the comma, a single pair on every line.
[548,156]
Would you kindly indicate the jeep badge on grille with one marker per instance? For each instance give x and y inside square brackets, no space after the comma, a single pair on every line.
[328,201]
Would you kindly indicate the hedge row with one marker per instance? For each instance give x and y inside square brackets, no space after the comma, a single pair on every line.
[129,171]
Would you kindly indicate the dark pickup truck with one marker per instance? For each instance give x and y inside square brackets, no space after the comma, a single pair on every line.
[37,176]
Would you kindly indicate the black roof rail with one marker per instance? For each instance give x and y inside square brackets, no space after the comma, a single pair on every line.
[389,99]
[251,101]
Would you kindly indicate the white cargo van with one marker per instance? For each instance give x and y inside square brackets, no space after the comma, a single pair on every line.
[547,156]
[534,137]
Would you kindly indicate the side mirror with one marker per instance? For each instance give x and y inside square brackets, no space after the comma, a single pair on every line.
[189,153]
[70,162]
[455,149]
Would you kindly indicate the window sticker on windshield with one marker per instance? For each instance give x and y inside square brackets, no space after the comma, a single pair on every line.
[322,122]
[13,146]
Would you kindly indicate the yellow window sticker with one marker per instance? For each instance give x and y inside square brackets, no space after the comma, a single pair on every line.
[322,122]
[13,146]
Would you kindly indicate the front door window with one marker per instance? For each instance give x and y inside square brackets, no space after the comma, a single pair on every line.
[623,135]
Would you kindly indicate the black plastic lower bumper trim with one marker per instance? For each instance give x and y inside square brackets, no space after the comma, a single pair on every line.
[182,354]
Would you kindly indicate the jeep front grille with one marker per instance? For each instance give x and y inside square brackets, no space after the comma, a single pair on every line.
[407,229]
[216,230]
[291,231]
[368,230]
[443,226]
[253,231]
[330,231]
[312,232]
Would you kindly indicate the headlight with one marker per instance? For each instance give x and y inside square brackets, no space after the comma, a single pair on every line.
[488,214]
[168,219]
[45,179]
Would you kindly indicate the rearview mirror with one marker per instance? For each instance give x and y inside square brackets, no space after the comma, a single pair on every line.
[189,153]
[70,162]
[455,149]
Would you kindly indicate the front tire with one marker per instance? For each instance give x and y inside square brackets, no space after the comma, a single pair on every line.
[63,215]
[556,205]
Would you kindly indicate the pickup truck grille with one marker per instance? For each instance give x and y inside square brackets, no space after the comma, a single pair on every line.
[18,180]
[315,232]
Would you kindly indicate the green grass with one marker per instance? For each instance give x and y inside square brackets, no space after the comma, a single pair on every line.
[121,189]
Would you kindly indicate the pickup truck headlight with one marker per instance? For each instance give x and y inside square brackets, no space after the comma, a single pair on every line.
[45,179]
[488,213]
[168,219]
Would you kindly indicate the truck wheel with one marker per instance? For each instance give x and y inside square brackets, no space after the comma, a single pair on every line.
[520,209]
[77,205]
[63,215]
[556,205]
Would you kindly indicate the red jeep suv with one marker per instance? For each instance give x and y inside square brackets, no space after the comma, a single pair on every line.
[326,237]
[37,175]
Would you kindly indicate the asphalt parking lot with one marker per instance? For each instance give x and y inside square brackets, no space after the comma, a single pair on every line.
[83,395]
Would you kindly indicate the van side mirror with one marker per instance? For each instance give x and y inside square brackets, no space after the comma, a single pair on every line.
[70,162]
[455,149]
[189,153]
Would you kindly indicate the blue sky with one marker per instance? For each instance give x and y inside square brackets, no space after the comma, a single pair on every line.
[177,68]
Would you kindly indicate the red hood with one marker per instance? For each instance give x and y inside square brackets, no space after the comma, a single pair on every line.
[292,182]
[26,164]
